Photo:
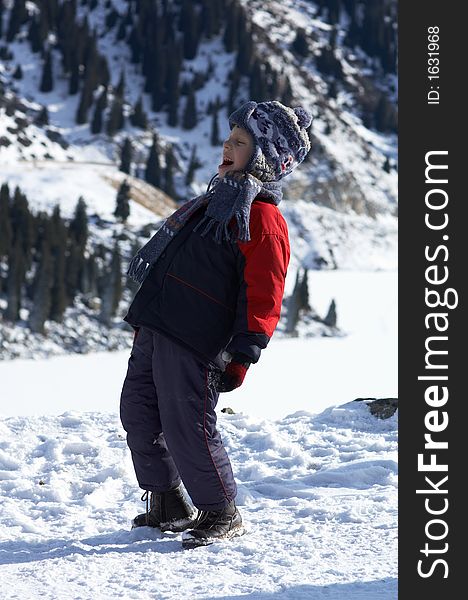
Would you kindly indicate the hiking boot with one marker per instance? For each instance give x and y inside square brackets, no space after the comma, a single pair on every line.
[169,511]
[214,525]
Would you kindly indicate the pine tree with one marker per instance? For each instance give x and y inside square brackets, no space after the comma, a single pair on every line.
[386,166]
[96,123]
[215,141]
[6,232]
[47,83]
[189,120]
[116,118]
[22,223]
[300,44]
[231,32]
[121,31]
[42,296]
[18,16]
[122,207]
[169,173]
[58,253]
[293,305]
[126,156]
[138,117]
[34,34]
[113,288]
[43,117]
[78,227]
[331,318]
[304,292]
[153,165]
[120,89]
[194,164]
[74,81]
[18,73]
[14,280]
[189,27]
[72,273]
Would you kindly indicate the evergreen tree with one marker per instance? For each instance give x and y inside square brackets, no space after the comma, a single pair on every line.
[22,224]
[18,73]
[189,120]
[169,173]
[194,164]
[42,295]
[300,44]
[74,81]
[78,227]
[153,165]
[115,121]
[96,123]
[6,232]
[138,117]
[386,166]
[385,115]
[231,32]
[43,117]
[34,34]
[58,254]
[122,208]
[89,276]
[120,89]
[113,288]
[304,292]
[188,24]
[18,16]
[215,141]
[47,84]
[126,156]
[121,31]
[73,265]
[294,306]
[16,269]
[245,52]
[331,317]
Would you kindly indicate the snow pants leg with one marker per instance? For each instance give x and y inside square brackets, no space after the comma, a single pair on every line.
[167,408]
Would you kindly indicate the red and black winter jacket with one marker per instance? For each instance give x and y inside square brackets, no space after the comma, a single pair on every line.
[212,297]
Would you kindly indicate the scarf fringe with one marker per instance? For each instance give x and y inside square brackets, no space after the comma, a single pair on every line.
[243,225]
[137,269]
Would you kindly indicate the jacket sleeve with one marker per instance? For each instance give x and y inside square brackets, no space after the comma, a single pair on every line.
[264,263]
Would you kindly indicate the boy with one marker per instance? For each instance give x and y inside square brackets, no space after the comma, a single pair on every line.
[212,284]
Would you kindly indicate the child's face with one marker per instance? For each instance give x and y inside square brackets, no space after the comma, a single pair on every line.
[238,148]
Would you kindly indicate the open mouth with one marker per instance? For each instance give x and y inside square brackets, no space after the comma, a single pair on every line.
[226,162]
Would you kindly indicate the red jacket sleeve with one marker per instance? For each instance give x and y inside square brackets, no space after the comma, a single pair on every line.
[264,265]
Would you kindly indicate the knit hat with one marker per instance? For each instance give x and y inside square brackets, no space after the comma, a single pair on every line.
[279,134]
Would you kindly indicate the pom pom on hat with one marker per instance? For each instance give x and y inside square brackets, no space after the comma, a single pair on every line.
[304,118]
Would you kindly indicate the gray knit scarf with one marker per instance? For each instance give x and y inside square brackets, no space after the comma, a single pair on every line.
[229,197]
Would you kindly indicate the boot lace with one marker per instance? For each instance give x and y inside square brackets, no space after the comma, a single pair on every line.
[143,498]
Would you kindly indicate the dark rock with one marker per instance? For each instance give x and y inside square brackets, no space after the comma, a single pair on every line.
[228,411]
[382,408]
[24,141]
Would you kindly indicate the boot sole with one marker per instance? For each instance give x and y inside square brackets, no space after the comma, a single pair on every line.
[193,542]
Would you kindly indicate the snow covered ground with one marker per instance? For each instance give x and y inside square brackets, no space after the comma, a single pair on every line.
[317,493]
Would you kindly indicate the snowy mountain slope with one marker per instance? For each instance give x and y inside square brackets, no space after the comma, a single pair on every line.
[345,174]
[317,493]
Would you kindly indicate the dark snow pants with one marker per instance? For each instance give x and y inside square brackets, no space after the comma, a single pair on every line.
[167,408]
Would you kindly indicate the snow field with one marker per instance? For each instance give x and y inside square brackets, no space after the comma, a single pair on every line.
[317,493]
